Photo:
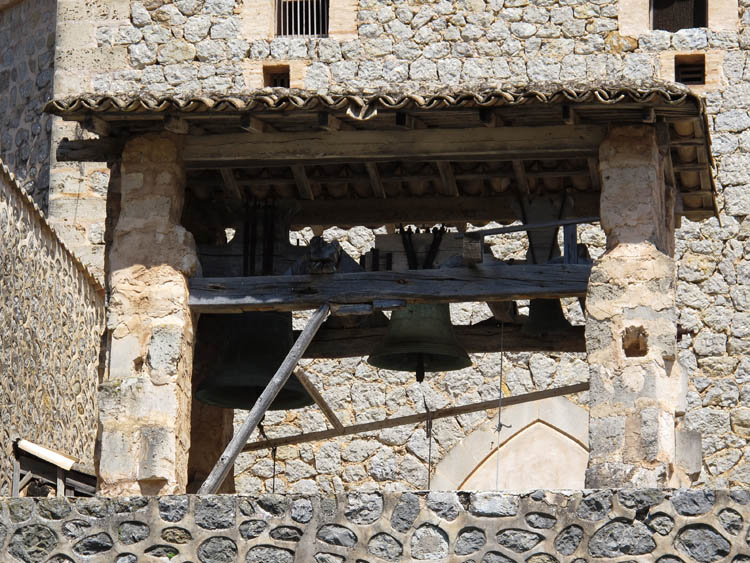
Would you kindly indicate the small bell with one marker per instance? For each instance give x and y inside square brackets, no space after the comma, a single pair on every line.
[545,316]
[237,355]
[420,339]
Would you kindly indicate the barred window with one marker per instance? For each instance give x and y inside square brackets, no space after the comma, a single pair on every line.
[674,15]
[307,18]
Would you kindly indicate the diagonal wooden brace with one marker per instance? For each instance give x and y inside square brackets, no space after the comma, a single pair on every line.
[233,449]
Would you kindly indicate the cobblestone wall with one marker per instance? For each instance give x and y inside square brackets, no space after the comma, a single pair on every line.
[27,53]
[51,319]
[539,527]
[195,47]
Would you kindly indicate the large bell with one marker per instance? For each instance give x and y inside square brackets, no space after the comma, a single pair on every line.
[237,355]
[545,316]
[420,339]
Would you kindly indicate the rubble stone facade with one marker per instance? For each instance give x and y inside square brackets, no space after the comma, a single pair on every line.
[51,325]
[536,527]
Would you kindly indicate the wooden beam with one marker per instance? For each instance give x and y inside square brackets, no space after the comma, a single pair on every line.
[176,125]
[596,181]
[407,121]
[418,210]
[318,398]
[448,179]
[231,186]
[107,149]
[376,182]
[475,339]
[481,233]
[322,147]
[226,462]
[496,282]
[253,124]
[303,182]
[519,168]
[329,122]
[416,418]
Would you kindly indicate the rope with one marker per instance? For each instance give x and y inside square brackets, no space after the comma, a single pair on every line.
[500,424]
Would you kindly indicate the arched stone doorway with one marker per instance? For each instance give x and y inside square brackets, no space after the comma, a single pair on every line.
[545,447]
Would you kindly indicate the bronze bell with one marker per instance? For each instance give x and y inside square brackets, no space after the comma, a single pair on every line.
[237,355]
[545,316]
[420,339]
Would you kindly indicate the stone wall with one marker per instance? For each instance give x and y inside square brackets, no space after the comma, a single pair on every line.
[51,321]
[537,527]
[27,53]
[188,48]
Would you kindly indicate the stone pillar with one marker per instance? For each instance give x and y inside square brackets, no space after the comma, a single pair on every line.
[631,319]
[144,403]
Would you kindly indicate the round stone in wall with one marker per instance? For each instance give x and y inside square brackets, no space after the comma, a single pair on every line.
[73,529]
[173,509]
[620,537]
[385,546]
[20,509]
[328,558]
[275,505]
[406,512]
[692,502]
[32,544]
[660,523]
[164,551]
[702,543]
[214,512]
[176,535]
[540,520]
[334,534]
[302,510]
[132,532]
[53,508]
[469,540]
[60,558]
[364,508]
[568,540]
[93,507]
[286,533]
[126,558]
[269,554]
[217,550]
[518,540]
[94,544]
[731,521]
[542,558]
[669,559]
[595,506]
[496,557]
[429,542]
[250,529]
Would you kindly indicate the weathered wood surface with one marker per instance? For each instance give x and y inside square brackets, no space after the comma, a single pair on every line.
[93,150]
[450,285]
[320,147]
[480,338]
[416,418]
[226,462]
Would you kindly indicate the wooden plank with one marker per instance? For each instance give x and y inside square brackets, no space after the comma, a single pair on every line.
[231,185]
[303,183]
[416,418]
[596,181]
[376,181]
[15,480]
[448,179]
[475,339]
[329,122]
[496,282]
[253,124]
[234,448]
[106,149]
[318,398]
[349,212]
[321,147]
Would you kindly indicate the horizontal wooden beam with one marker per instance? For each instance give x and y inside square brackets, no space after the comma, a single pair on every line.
[93,150]
[480,339]
[420,210]
[496,282]
[504,143]
[416,418]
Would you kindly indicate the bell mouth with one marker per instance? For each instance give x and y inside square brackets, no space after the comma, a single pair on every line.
[409,360]
[244,398]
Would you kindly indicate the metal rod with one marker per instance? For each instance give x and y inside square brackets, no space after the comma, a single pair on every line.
[233,449]
[529,227]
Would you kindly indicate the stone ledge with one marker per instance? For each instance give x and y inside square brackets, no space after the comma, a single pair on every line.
[537,527]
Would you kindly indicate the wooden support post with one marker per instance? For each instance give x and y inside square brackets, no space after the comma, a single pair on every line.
[375,180]
[520,171]
[570,244]
[15,479]
[416,418]
[233,449]
[303,182]
[60,485]
[318,398]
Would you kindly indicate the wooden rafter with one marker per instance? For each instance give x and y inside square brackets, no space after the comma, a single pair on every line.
[520,173]
[376,182]
[415,418]
[231,186]
[448,179]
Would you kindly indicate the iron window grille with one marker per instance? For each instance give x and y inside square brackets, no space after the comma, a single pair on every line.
[674,15]
[302,18]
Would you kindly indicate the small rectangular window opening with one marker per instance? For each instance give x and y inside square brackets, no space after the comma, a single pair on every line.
[690,69]
[307,18]
[674,15]
[276,76]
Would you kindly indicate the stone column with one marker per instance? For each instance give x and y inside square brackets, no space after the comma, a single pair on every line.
[631,319]
[144,403]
